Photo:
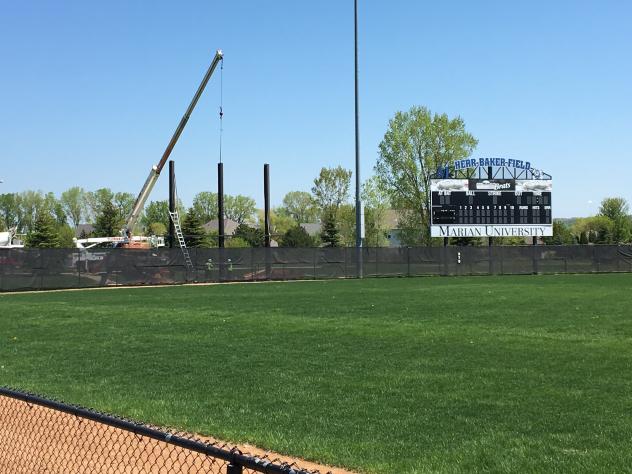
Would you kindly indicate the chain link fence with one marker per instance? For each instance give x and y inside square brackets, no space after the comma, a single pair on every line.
[39,269]
[39,435]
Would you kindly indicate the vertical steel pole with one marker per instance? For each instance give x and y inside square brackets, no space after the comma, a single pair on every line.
[220,219]
[220,204]
[172,201]
[357,152]
[266,198]
[266,217]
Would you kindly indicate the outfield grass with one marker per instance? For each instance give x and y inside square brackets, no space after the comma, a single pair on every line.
[530,373]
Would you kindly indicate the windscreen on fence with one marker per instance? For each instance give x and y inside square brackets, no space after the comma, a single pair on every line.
[39,269]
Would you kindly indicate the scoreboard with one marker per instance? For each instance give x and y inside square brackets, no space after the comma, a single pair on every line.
[491,207]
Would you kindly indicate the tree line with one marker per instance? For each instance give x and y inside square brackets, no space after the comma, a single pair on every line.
[417,142]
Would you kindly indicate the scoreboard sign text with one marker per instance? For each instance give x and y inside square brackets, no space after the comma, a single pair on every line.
[491,208]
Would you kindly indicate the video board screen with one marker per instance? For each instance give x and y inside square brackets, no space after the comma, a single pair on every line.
[491,208]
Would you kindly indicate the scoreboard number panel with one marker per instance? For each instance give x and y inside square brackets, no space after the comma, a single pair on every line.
[491,207]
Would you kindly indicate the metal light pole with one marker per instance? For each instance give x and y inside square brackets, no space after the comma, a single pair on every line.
[358,203]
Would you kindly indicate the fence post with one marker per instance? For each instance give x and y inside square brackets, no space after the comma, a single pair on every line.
[408,260]
[314,260]
[234,469]
[78,267]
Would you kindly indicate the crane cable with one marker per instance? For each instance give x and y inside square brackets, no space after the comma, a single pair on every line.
[221,107]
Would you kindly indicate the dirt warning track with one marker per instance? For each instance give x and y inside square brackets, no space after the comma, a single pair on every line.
[35,439]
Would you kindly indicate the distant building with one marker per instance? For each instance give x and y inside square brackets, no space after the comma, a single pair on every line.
[313,229]
[229,226]
[84,229]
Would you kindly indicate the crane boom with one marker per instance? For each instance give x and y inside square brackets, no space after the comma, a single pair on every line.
[154,173]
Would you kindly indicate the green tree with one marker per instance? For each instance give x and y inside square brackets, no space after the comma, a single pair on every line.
[96,200]
[108,221]
[331,188]
[236,243]
[239,208]
[562,235]
[124,202]
[597,229]
[155,212]
[280,222]
[617,210]
[376,205]
[31,202]
[255,237]
[345,219]
[299,206]
[466,241]
[194,235]
[205,206]
[74,204]
[297,237]
[158,228]
[583,238]
[44,232]
[416,143]
[66,236]
[10,212]
[330,235]
[55,207]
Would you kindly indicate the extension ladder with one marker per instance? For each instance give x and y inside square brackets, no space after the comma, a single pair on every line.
[175,218]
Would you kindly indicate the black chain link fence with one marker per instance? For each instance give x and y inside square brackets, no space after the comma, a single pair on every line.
[39,269]
[39,435]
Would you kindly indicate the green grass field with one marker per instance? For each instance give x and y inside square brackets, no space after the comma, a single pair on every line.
[522,374]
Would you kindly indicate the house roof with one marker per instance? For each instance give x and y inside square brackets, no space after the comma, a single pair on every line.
[229,226]
[312,228]
[86,228]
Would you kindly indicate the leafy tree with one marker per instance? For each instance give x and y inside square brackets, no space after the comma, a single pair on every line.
[299,206]
[108,221]
[158,228]
[239,208]
[331,188]
[124,203]
[194,235]
[416,143]
[55,207]
[345,219]
[466,241]
[156,212]
[96,200]
[236,243]
[255,237]
[597,229]
[583,238]
[10,211]
[376,205]
[330,235]
[31,202]
[44,232]
[279,222]
[562,235]
[297,237]
[617,210]
[66,236]
[73,201]
[205,206]
[509,241]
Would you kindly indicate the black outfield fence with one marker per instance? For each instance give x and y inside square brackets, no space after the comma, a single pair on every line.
[40,269]
[39,435]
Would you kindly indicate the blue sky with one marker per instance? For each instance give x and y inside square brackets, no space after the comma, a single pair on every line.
[92,91]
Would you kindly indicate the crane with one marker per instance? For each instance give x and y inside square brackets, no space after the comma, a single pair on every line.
[154,173]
